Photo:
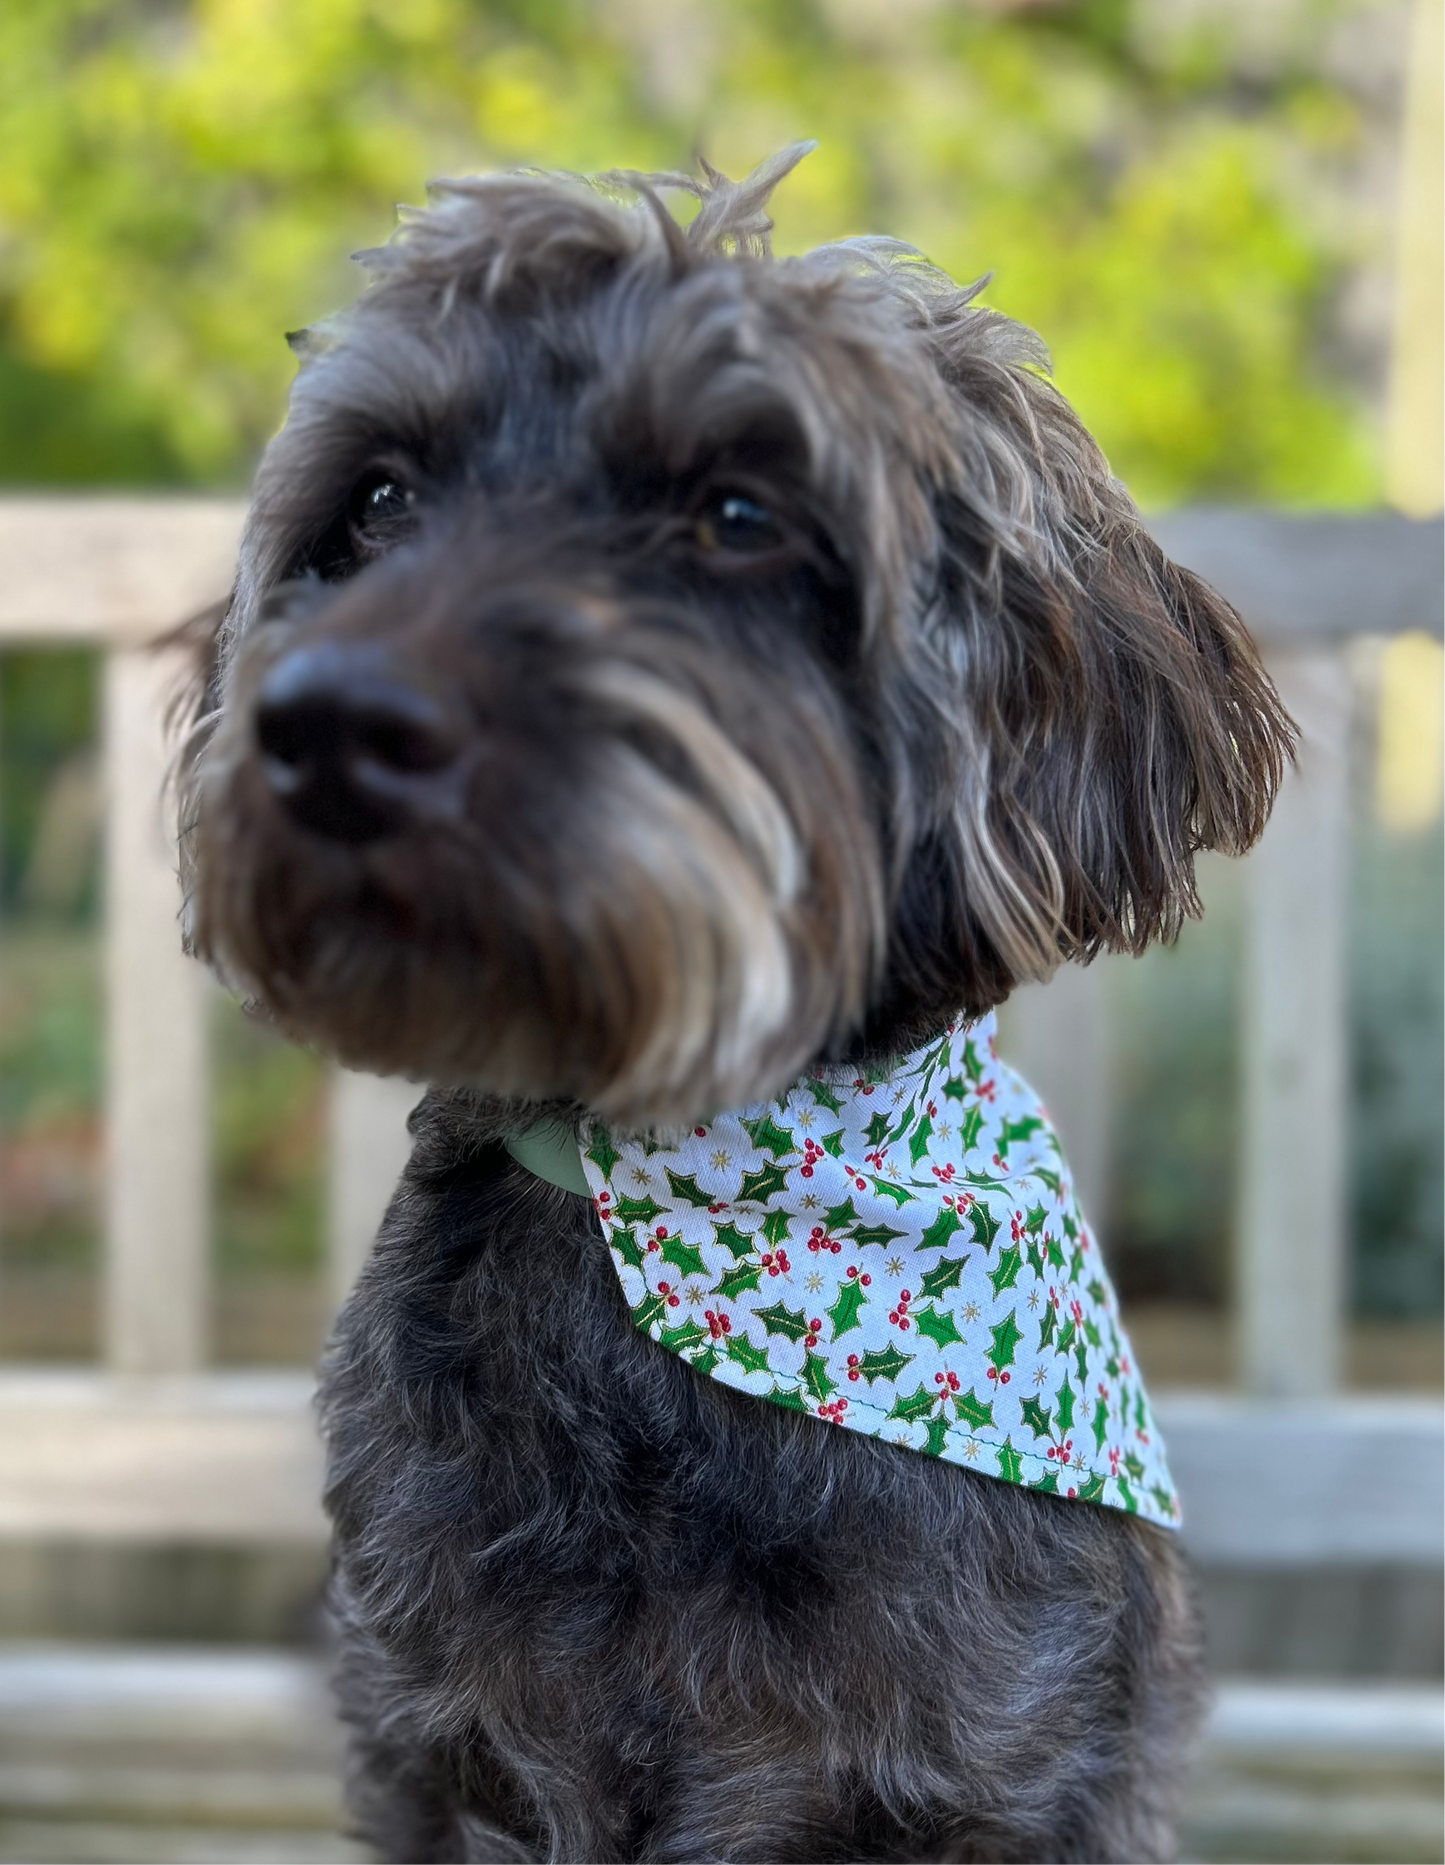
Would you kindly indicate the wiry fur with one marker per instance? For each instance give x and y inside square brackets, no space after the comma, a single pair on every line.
[708,821]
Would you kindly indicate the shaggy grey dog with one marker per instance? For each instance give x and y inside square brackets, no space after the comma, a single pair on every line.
[656,668]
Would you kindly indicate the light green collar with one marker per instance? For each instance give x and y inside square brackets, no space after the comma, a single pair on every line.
[549,1151]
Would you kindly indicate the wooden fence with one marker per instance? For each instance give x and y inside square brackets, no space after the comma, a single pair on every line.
[114,572]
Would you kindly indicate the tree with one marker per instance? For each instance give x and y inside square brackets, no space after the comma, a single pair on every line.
[179,183]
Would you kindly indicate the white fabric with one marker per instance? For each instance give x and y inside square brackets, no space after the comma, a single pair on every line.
[900,1254]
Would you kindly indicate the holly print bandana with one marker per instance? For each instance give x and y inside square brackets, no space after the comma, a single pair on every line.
[898,1254]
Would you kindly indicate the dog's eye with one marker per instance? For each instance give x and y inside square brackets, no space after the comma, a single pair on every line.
[731,522]
[380,510]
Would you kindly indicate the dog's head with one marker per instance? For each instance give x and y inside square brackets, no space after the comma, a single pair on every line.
[655,666]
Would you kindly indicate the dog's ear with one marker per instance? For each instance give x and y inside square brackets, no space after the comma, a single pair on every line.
[1117,717]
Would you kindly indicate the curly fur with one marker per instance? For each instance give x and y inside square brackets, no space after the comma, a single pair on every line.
[706,820]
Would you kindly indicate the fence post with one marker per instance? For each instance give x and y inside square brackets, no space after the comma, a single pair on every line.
[1057,1035]
[158,1202]
[369,1147]
[1291,1284]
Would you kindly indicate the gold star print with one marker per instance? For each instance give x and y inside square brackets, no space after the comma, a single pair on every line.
[810,1201]
[814,1283]
[721,1160]
[970,1311]
[1041,1374]
[892,1170]
[894,1265]
[695,1294]
[805,1117]
[972,1449]
[944,1131]
[639,1176]
[1033,1299]
[1078,1463]
[899,1094]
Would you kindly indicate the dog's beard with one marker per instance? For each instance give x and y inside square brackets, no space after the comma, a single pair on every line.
[664,924]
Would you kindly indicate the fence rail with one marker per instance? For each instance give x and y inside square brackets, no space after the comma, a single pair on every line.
[116,572]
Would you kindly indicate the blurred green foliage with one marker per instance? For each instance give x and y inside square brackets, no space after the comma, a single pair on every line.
[181,179]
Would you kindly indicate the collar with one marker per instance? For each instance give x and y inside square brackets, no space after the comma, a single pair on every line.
[897,1253]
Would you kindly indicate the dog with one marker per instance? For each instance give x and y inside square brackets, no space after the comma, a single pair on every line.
[662,679]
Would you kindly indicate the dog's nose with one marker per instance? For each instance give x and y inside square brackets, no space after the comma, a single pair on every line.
[354,748]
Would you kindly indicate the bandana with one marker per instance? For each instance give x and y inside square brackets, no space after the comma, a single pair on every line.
[897,1253]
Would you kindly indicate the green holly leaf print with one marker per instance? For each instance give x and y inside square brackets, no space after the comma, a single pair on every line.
[832,1143]
[824,1096]
[1051,1179]
[1091,1333]
[683,1256]
[918,1140]
[955,1088]
[972,1067]
[791,1323]
[815,1377]
[900,1194]
[947,1224]
[876,1132]
[636,1210]
[1065,1341]
[1076,1266]
[903,1125]
[937,1437]
[787,1397]
[1101,1423]
[974,1411]
[1053,1252]
[752,1359]
[650,1309]
[969,1128]
[844,1312]
[1036,1417]
[1081,1361]
[1141,1412]
[775,1227]
[625,1243]
[888,1363]
[707,1359]
[1097,1293]
[1010,1463]
[1047,1326]
[733,1240]
[1048,1483]
[937,1324]
[1130,1501]
[1166,1502]
[1018,1130]
[944,1275]
[1071,1229]
[765,1183]
[840,1214]
[1034,1219]
[603,1154]
[681,1338]
[1064,1398]
[769,1137]
[1006,1337]
[685,1186]
[1035,1256]
[875,1233]
[1092,1490]
[917,1405]
[983,1222]
[737,1280]
[1007,1273]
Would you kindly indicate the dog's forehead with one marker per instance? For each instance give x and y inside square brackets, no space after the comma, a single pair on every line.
[430,345]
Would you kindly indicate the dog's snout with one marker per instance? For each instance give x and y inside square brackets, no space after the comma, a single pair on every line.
[355,745]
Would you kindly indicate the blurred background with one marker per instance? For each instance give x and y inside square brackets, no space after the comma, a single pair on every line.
[1224,216]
